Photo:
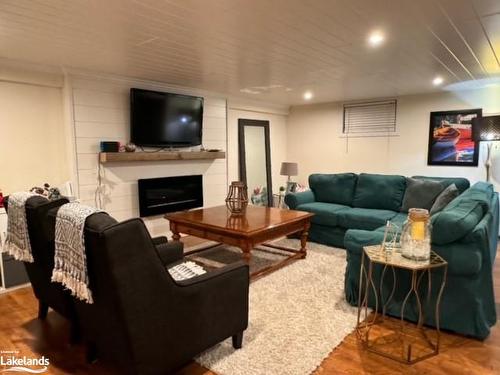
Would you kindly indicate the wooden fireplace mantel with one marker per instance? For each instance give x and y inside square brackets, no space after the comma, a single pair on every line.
[110,157]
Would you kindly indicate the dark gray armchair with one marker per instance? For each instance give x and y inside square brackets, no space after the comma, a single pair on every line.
[52,295]
[142,320]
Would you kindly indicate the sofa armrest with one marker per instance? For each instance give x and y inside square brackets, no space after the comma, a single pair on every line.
[169,252]
[293,200]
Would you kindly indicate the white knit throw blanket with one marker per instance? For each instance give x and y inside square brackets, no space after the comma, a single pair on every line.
[70,263]
[17,242]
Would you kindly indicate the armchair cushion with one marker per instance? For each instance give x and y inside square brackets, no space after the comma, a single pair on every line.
[159,240]
[170,252]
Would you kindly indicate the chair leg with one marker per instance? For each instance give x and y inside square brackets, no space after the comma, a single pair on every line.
[238,340]
[91,353]
[43,309]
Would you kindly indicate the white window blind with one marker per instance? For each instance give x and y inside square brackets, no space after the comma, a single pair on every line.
[370,118]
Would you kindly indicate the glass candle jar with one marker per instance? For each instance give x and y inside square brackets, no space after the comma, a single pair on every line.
[416,235]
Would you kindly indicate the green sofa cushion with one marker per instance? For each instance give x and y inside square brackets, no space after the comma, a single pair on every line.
[364,218]
[462,184]
[484,186]
[472,195]
[324,213]
[333,188]
[481,192]
[462,214]
[383,192]
[457,220]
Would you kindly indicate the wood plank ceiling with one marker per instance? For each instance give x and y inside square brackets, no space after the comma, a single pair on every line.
[271,50]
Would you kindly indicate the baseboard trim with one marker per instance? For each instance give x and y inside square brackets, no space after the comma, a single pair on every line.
[12,288]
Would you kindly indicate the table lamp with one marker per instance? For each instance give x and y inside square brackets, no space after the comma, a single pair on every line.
[289,169]
[486,129]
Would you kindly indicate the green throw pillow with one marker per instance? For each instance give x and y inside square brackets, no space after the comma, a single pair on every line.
[420,193]
[442,200]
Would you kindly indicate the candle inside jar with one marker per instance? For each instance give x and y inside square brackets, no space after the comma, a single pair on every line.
[418,230]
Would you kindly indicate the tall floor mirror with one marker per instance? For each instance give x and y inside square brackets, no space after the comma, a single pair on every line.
[255,160]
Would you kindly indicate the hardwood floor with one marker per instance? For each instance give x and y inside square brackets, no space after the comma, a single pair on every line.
[20,330]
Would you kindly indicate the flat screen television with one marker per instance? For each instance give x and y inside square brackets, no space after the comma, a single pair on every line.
[161,119]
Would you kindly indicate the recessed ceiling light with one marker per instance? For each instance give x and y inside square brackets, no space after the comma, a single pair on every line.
[437,81]
[376,38]
[308,95]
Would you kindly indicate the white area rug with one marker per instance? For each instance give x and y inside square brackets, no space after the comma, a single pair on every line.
[298,315]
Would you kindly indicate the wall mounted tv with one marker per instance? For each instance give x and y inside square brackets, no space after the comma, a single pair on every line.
[161,119]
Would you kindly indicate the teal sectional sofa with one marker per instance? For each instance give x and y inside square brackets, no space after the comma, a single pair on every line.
[351,212]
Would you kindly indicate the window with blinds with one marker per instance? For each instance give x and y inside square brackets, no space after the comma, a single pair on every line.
[370,118]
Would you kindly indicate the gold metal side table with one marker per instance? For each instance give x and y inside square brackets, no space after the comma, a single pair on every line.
[406,343]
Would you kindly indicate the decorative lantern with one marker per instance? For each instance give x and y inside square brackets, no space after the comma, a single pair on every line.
[416,235]
[237,198]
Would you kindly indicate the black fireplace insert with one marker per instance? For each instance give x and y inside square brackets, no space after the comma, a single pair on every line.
[169,194]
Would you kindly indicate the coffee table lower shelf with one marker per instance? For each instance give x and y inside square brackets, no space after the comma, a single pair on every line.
[295,255]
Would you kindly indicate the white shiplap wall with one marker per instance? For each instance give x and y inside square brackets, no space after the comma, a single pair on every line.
[101,112]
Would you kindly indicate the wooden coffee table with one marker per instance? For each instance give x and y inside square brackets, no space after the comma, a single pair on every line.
[257,226]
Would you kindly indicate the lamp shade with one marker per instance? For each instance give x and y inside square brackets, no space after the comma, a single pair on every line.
[486,128]
[289,169]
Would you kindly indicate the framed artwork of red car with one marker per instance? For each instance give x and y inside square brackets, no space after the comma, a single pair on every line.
[450,138]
